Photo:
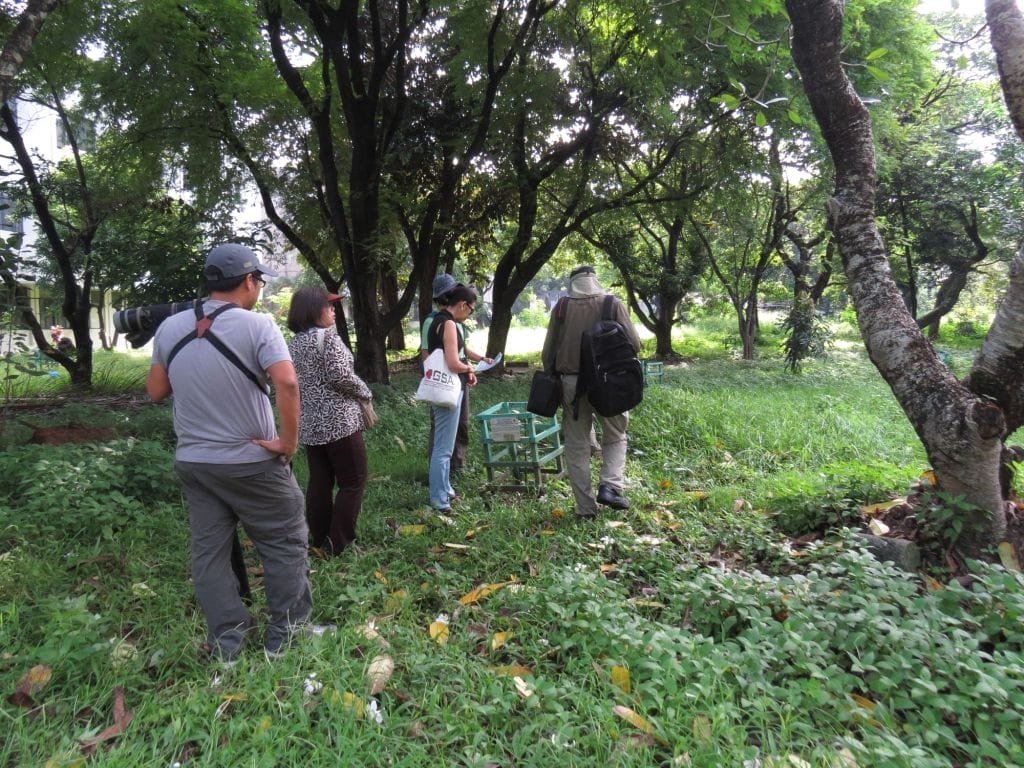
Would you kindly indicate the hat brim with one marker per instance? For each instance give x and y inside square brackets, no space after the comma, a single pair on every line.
[333,297]
[263,269]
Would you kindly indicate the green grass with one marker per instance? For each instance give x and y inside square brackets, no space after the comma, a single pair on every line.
[736,648]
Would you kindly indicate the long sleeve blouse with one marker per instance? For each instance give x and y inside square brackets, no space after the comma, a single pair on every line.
[329,388]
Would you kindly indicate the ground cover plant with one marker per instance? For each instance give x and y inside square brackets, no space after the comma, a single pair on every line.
[693,630]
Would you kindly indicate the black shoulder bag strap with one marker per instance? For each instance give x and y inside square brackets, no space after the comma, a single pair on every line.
[203,331]
[608,307]
[559,315]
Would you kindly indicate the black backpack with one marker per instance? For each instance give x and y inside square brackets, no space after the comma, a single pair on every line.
[610,374]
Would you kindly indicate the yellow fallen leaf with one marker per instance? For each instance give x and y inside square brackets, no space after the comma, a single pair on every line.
[481,592]
[379,672]
[401,444]
[558,514]
[929,477]
[620,678]
[265,724]
[641,603]
[863,702]
[608,567]
[696,495]
[666,484]
[499,639]
[874,509]
[412,530]
[547,531]
[512,670]
[459,547]
[933,584]
[352,703]
[614,523]
[1008,556]
[395,600]
[472,532]
[636,721]
[33,681]
[439,631]
[380,577]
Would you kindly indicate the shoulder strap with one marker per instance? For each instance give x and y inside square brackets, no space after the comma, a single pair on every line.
[559,316]
[608,307]
[202,331]
[560,308]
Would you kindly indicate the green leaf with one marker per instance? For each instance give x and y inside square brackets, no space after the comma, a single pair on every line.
[876,54]
[878,74]
[794,117]
[761,120]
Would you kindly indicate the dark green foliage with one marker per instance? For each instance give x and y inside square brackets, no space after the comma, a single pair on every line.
[807,335]
[829,499]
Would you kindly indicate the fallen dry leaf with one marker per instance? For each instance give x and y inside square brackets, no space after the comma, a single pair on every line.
[522,687]
[33,681]
[481,592]
[1008,556]
[512,670]
[379,672]
[499,639]
[439,630]
[122,719]
[874,509]
[411,530]
[637,721]
[620,678]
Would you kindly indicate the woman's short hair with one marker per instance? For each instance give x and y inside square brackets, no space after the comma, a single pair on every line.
[459,293]
[307,305]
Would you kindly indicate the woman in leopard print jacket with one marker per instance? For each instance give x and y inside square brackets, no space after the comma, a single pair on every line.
[330,420]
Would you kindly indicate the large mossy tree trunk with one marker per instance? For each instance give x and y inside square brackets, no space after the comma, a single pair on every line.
[962,433]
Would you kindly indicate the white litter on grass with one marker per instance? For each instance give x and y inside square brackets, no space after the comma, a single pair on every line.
[311,685]
[374,712]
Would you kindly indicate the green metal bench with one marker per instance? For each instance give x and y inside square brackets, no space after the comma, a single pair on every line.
[654,370]
[519,446]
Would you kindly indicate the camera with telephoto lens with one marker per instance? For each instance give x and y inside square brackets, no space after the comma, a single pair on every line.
[138,324]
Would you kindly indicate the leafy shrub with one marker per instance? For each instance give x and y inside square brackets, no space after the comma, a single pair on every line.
[831,499]
[85,490]
[903,675]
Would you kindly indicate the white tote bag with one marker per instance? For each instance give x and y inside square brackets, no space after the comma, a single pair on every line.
[439,386]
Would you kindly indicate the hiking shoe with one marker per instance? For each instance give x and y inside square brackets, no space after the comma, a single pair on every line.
[298,634]
[590,515]
[611,498]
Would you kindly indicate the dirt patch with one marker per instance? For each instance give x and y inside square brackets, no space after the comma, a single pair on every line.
[71,434]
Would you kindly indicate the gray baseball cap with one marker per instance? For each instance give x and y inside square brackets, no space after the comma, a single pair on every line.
[443,284]
[233,260]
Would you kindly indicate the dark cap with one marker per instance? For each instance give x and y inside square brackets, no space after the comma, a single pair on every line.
[585,269]
[233,260]
[442,284]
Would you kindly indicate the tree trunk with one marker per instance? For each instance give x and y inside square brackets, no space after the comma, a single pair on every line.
[663,325]
[961,432]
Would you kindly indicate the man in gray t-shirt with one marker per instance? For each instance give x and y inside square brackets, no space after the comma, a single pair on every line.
[232,461]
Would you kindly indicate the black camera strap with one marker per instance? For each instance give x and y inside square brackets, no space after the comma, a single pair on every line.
[203,331]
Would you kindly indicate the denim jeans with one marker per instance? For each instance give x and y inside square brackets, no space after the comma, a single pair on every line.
[446,424]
